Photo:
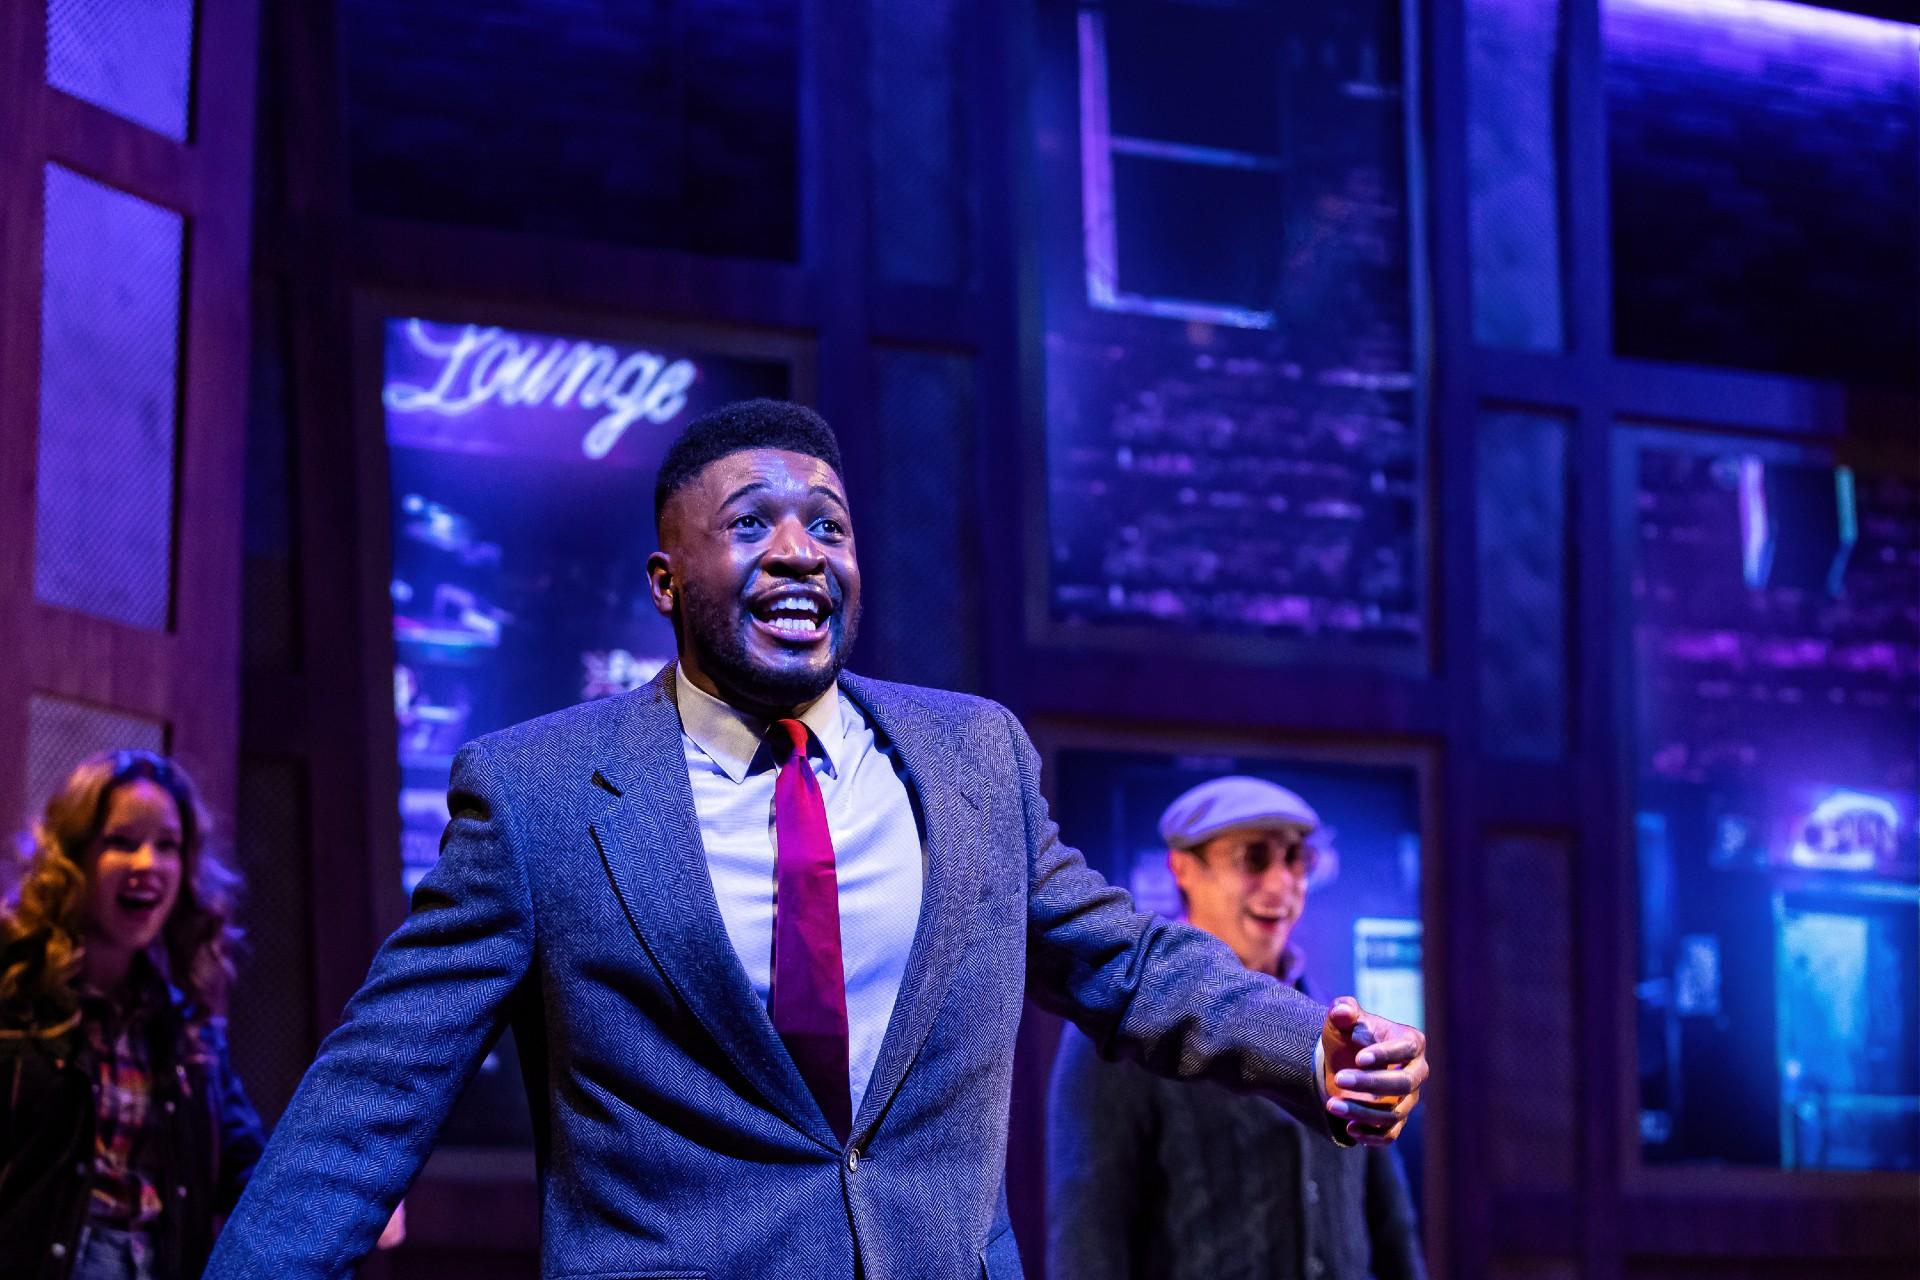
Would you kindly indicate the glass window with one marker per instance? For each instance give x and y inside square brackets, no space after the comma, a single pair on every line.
[1233,435]
[1739,133]
[1777,681]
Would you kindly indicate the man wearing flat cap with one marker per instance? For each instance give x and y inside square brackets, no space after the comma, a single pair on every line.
[1150,1181]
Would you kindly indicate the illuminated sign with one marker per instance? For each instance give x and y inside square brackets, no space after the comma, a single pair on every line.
[521,469]
[1387,975]
[1847,831]
[452,370]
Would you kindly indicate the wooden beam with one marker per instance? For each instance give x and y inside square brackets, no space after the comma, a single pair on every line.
[93,141]
[475,263]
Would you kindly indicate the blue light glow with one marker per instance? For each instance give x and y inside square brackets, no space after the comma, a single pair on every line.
[1756,542]
[476,366]
[1847,831]
[1849,528]
[1781,16]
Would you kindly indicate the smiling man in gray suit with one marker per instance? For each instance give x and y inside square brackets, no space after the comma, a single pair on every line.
[763,931]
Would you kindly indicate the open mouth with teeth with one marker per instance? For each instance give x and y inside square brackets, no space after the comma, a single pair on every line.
[799,618]
[1271,919]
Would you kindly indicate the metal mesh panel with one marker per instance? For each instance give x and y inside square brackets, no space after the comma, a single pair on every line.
[272,1013]
[62,733]
[926,621]
[1530,1022]
[109,377]
[132,57]
[917,138]
[1513,118]
[1522,541]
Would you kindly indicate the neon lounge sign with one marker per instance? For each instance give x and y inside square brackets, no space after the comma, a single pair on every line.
[480,366]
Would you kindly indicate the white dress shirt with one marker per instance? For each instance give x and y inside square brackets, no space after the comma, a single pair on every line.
[879,853]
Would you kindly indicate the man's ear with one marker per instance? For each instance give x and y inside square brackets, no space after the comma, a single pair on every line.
[1182,869]
[660,582]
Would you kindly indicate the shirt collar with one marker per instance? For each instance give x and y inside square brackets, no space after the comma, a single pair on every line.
[1293,966]
[145,991]
[733,739]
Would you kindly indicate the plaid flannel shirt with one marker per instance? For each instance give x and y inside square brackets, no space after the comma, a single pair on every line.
[125,1192]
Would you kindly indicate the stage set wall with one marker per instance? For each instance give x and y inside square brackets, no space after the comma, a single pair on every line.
[872,221]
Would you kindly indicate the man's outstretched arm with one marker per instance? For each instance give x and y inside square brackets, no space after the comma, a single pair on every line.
[365,1115]
[1180,1002]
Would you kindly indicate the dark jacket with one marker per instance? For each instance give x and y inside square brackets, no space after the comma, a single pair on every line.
[208,1134]
[674,1134]
[1151,1181]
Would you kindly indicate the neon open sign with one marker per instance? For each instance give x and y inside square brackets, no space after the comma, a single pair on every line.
[1847,831]
[465,368]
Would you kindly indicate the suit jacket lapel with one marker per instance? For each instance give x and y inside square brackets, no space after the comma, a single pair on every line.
[944,782]
[649,839]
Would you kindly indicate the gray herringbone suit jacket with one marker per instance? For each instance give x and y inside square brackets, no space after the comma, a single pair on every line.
[675,1137]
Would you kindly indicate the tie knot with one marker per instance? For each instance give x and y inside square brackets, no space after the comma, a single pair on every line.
[789,738]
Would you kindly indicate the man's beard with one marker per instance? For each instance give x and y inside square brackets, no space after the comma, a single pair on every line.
[713,628]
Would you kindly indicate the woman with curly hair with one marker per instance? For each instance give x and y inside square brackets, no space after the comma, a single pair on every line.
[124,1133]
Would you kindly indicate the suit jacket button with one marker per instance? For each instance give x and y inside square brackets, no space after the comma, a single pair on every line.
[59,1250]
[853,1160]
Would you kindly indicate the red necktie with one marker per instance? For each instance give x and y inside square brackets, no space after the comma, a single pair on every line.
[809,999]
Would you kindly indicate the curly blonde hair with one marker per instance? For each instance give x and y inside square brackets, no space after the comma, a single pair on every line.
[43,932]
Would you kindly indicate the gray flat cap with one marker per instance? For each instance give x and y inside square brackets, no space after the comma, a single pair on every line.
[1225,804]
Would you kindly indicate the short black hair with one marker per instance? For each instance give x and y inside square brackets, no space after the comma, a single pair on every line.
[732,428]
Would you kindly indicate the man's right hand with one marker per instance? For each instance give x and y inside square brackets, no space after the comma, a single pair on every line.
[1375,1068]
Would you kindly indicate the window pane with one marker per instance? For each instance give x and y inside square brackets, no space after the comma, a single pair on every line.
[1741,132]
[1233,434]
[1777,745]
[1200,77]
[1188,231]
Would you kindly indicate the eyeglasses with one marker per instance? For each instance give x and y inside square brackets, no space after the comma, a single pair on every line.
[1257,856]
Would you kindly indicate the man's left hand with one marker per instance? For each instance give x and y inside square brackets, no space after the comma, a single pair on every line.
[1375,1070]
